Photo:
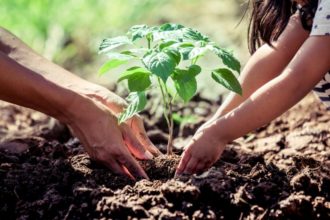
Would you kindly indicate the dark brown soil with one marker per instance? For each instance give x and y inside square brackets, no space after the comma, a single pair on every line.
[281,171]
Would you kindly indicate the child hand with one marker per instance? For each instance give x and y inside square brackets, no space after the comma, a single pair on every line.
[202,151]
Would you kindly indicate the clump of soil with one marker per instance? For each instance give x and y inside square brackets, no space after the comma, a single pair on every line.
[279,172]
[162,167]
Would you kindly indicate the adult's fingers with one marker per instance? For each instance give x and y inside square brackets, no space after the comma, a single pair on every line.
[191,166]
[132,166]
[201,166]
[140,132]
[117,168]
[133,144]
[183,162]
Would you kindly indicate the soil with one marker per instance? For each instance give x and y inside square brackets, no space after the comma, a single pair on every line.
[281,171]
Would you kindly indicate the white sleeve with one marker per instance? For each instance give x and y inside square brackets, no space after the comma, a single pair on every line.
[321,24]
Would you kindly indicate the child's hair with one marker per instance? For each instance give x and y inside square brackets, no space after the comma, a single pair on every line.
[270,17]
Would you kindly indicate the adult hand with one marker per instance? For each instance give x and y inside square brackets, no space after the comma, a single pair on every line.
[116,105]
[95,125]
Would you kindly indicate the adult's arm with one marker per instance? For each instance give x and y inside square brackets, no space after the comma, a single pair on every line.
[30,80]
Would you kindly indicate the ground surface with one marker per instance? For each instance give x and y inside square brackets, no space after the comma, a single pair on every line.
[281,171]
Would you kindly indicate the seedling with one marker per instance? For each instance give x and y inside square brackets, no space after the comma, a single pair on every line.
[167,55]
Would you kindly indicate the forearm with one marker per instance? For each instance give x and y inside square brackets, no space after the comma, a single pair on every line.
[267,63]
[271,100]
[17,50]
[22,86]
[263,66]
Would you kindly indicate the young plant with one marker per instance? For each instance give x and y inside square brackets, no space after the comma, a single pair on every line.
[167,55]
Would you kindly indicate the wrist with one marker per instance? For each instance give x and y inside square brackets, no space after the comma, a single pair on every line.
[61,105]
[220,131]
[214,135]
[81,109]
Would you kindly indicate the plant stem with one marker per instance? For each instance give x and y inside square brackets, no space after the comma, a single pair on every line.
[167,114]
[167,102]
[164,100]
[170,127]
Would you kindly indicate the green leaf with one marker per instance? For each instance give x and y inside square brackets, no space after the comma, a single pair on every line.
[184,48]
[197,52]
[174,53]
[138,79]
[112,43]
[188,119]
[137,102]
[168,32]
[195,70]
[186,90]
[175,35]
[161,64]
[138,31]
[185,82]
[192,34]
[227,58]
[226,78]
[170,27]
[136,52]
[111,64]
[119,56]
[166,44]
[179,45]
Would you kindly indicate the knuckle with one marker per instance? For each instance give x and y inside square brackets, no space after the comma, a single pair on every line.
[208,161]
[102,157]
[122,159]
[118,154]
[137,119]
[186,152]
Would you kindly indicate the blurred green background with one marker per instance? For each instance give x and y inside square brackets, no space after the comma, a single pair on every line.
[69,32]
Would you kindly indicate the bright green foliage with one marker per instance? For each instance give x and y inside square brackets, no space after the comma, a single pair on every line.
[137,102]
[185,81]
[111,64]
[138,79]
[112,43]
[161,64]
[182,120]
[226,78]
[170,55]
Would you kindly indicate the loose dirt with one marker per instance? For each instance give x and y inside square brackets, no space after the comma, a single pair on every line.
[281,171]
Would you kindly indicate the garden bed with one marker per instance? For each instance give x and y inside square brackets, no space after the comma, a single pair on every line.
[281,171]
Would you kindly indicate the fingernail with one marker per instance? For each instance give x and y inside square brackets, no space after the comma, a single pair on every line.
[148,155]
[145,176]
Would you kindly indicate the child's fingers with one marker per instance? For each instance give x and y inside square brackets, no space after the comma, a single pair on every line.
[183,162]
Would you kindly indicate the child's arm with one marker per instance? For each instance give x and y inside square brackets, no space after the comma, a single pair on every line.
[267,63]
[306,69]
